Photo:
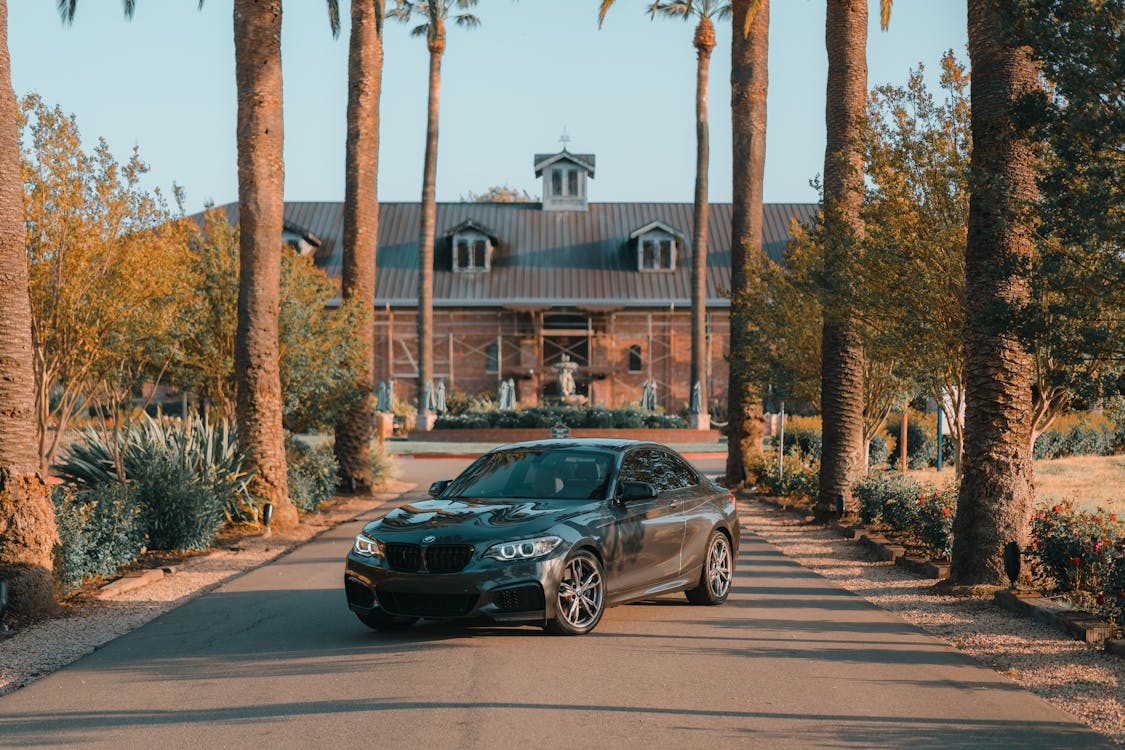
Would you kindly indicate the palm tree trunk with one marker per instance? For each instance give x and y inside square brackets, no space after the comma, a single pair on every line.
[27,517]
[748,83]
[841,384]
[995,501]
[426,231]
[361,229]
[704,42]
[261,181]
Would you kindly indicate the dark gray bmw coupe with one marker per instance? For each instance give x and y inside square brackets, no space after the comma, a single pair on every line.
[548,532]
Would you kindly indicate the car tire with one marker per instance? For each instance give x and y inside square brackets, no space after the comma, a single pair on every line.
[717,574]
[377,619]
[580,600]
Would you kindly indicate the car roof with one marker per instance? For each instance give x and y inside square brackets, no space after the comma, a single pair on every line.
[608,444]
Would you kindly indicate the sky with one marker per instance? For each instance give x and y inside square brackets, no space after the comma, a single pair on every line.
[164,83]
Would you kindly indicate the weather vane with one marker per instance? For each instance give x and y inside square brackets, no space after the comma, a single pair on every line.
[564,138]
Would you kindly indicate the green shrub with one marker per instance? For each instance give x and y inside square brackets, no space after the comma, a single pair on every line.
[1078,434]
[312,473]
[383,467]
[878,450]
[921,443]
[182,511]
[804,439]
[548,416]
[100,528]
[798,479]
[1076,550]
[887,497]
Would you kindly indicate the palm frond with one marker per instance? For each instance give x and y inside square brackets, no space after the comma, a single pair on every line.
[601,13]
[751,14]
[334,17]
[672,9]
[66,10]
[421,29]
[467,21]
[402,11]
[885,13]
[130,7]
[466,4]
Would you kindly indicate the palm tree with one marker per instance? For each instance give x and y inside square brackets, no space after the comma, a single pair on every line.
[361,224]
[27,516]
[995,500]
[748,81]
[433,15]
[704,42]
[841,383]
[261,181]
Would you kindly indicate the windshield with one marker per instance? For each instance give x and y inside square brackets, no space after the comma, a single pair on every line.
[537,473]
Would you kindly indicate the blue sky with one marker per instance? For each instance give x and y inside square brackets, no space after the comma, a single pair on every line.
[165,82]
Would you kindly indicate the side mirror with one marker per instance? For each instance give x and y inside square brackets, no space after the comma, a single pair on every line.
[633,491]
[439,486]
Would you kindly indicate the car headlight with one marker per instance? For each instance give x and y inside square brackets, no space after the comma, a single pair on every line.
[524,549]
[365,546]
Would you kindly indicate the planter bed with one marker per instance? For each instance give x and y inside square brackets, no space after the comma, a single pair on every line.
[521,434]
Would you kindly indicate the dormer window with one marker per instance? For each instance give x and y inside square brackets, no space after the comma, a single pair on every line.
[472,246]
[470,253]
[656,247]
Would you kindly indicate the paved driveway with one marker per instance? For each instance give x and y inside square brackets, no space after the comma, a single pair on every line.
[274,659]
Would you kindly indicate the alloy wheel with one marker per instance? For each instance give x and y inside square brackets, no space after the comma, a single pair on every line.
[581,593]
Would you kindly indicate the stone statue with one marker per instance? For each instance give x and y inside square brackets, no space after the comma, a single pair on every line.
[565,368]
[696,399]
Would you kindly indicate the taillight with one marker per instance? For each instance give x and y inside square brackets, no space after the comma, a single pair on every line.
[733,501]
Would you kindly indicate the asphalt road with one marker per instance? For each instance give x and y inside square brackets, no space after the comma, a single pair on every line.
[273,659]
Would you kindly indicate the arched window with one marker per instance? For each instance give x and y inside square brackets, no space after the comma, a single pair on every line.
[492,358]
[635,363]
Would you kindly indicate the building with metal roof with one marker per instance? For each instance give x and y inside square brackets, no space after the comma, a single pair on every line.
[517,286]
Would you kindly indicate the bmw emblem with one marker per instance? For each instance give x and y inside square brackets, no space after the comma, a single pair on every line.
[428,539]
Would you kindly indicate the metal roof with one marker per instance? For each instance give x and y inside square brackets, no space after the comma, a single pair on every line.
[560,258]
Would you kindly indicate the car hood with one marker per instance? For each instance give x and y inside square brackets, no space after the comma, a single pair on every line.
[470,520]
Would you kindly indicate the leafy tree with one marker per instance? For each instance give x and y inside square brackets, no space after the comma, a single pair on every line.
[1077,295]
[748,79]
[107,265]
[704,42]
[27,519]
[433,14]
[500,194]
[321,353]
[913,271]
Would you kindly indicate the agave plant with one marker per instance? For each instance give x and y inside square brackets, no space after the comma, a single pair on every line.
[204,452]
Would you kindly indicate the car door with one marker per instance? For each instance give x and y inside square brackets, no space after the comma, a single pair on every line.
[643,541]
[694,499]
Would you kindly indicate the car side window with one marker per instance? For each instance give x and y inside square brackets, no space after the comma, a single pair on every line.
[679,474]
[637,466]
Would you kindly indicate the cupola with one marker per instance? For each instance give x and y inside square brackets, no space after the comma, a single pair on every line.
[564,179]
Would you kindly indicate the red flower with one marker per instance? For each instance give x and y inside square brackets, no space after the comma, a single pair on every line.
[1100,600]
[1056,508]
[945,512]
[1076,561]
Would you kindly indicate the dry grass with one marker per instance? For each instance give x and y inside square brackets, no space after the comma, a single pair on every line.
[1091,481]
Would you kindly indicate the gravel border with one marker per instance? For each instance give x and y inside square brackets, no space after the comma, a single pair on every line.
[88,622]
[1087,683]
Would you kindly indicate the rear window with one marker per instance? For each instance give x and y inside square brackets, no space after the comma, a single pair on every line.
[532,474]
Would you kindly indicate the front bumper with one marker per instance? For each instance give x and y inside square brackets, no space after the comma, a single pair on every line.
[485,588]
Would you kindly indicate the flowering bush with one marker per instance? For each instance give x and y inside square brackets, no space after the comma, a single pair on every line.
[1076,550]
[887,497]
[935,521]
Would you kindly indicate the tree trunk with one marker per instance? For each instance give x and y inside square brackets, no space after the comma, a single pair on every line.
[748,83]
[704,42]
[27,517]
[426,232]
[361,230]
[261,182]
[995,502]
[841,386]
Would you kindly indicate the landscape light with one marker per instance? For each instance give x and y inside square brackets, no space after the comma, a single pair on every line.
[1012,563]
[267,516]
